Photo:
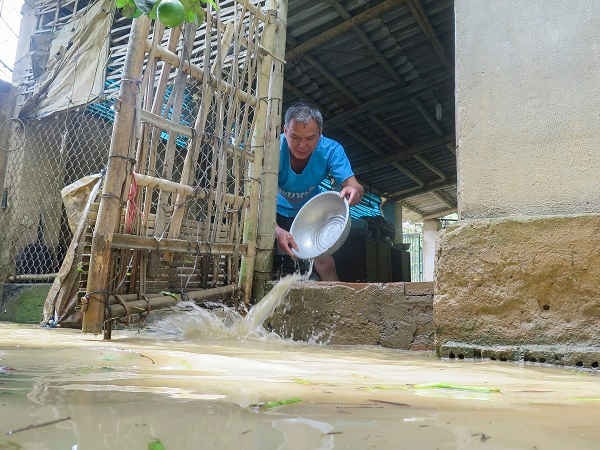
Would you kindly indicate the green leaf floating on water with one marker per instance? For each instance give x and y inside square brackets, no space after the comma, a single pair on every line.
[156,445]
[456,387]
[274,404]
[380,387]
[170,294]
[302,381]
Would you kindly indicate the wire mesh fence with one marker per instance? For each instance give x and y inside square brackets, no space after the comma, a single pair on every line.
[44,156]
[187,160]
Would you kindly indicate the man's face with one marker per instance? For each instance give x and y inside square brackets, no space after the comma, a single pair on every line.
[302,138]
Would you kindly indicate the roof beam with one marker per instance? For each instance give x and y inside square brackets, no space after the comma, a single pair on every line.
[383,62]
[403,154]
[341,28]
[421,17]
[411,192]
[439,214]
[445,198]
[411,91]
[412,207]
[391,134]
[366,143]
[386,130]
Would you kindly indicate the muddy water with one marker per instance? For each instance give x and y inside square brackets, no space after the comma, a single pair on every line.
[202,390]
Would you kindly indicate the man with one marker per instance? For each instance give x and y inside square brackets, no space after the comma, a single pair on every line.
[306,159]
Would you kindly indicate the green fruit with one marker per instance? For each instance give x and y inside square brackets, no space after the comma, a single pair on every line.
[171,13]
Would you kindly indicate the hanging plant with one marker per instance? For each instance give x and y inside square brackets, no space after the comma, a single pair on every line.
[171,13]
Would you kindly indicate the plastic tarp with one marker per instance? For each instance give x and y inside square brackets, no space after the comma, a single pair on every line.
[75,197]
[77,64]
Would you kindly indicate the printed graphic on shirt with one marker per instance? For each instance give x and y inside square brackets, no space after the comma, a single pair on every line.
[297,197]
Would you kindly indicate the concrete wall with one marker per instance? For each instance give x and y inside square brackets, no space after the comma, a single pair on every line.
[396,315]
[518,277]
[527,116]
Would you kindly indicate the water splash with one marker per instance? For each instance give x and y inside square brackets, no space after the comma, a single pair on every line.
[189,321]
[264,309]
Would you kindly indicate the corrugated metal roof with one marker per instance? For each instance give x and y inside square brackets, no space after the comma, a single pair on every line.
[382,73]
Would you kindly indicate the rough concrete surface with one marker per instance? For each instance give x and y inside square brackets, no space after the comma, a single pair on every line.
[397,315]
[519,282]
[527,107]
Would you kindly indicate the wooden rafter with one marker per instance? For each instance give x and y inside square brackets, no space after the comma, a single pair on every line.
[391,134]
[341,28]
[406,193]
[421,17]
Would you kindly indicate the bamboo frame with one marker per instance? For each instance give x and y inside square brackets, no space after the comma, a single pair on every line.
[218,153]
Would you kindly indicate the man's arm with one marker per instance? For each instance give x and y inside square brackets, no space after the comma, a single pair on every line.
[285,240]
[352,190]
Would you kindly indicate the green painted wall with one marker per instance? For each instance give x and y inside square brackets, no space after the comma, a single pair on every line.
[22,303]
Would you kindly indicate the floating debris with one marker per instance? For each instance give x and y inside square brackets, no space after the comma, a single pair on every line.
[274,404]
[37,425]
[156,445]
[456,387]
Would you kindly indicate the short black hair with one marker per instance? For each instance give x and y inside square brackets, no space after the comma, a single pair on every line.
[303,112]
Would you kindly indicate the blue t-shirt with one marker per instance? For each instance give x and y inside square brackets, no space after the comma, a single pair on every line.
[295,189]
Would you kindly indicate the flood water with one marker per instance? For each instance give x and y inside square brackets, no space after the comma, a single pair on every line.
[171,383]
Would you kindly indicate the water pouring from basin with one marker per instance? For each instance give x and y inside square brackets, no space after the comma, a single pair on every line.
[321,226]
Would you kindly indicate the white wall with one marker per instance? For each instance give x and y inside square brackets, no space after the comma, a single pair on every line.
[528,107]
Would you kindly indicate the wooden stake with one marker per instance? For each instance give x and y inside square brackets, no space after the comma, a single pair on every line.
[109,211]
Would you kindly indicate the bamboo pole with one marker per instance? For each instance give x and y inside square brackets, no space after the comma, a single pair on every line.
[250,214]
[256,169]
[109,211]
[157,105]
[128,241]
[211,293]
[141,306]
[33,277]
[188,171]
[234,201]
[196,72]
[268,196]
[189,34]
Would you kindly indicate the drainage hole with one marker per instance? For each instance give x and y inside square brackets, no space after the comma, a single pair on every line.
[546,307]
[532,359]
[595,364]
[451,355]
[579,363]
[542,360]
[461,356]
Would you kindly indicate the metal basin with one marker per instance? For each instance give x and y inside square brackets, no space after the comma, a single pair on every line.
[321,226]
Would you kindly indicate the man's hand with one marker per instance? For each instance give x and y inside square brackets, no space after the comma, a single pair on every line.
[285,241]
[352,190]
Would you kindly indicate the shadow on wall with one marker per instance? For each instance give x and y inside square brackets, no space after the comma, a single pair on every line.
[37,258]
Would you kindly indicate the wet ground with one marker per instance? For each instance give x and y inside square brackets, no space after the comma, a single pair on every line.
[155,391]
